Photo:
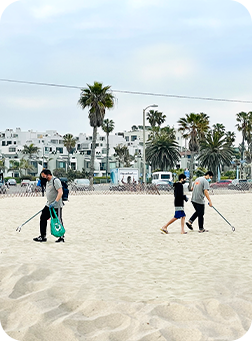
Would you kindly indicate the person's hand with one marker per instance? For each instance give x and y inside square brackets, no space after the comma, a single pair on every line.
[210,204]
[186,198]
[53,204]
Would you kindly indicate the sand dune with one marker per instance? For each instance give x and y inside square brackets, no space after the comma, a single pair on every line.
[118,277]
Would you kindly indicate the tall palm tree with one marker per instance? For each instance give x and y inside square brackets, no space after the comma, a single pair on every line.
[30,150]
[97,98]
[193,127]
[244,125]
[162,152]
[215,151]
[122,152]
[108,126]
[155,117]
[69,142]
[25,165]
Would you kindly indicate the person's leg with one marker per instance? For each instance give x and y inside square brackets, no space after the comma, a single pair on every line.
[201,211]
[59,214]
[195,214]
[183,225]
[164,228]
[45,215]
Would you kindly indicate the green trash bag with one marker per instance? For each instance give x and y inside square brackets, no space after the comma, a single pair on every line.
[57,229]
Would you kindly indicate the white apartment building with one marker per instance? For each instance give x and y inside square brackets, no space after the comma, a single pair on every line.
[53,154]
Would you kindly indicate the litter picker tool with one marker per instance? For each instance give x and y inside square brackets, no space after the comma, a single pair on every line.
[233,229]
[19,227]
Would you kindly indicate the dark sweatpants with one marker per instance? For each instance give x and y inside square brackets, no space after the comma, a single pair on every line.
[45,215]
[199,213]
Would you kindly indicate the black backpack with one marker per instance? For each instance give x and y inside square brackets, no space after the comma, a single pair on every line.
[64,188]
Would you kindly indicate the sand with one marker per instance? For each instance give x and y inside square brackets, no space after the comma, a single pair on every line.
[119,278]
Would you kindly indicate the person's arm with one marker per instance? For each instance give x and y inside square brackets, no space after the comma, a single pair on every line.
[208,197]
[59,195]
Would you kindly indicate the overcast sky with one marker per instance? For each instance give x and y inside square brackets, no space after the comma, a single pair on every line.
[181,47]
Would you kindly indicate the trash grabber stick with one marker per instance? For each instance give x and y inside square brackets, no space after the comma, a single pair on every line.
[19,227]
[233,229]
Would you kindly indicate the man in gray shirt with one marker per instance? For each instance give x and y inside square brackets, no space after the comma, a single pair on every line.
[54,194]
[200,191]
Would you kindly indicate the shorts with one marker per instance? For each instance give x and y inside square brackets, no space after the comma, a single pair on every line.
[179,214]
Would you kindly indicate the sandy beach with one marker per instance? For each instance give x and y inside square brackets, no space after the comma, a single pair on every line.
[118,278]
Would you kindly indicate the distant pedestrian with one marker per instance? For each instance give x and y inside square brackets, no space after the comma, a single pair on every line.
[42,184]
[200,191]
[54,194]
[179,199]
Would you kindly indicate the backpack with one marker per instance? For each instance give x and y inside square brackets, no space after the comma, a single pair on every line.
[64,188]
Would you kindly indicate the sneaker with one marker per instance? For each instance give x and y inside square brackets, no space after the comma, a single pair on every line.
[189,226]
[40,239]
[203,230]
[60,240]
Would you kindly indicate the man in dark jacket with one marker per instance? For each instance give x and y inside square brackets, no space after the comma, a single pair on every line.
[179,198]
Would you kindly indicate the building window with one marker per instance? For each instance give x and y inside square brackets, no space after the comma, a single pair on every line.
[127,138]
[133,138]
[73,165]
[12,150]
[3,143]
[61,164]
[60,150]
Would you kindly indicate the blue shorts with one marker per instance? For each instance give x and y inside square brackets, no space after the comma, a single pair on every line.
[179,214]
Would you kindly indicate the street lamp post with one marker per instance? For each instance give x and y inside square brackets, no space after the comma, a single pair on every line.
[144,170]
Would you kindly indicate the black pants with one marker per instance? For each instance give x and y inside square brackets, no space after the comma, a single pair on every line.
[199,213]
[45,215]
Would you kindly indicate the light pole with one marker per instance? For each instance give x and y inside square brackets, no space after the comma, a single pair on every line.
[144,170]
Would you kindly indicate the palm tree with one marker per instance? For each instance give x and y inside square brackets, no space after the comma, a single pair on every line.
[30,150]
[215,151]
[122,152]
[155,118]
[162,152]
[15,166]
[193,127]
[230,137]
[244,125]
[69,142]
[97,98]
[25,165]
[2,168]
[108,126]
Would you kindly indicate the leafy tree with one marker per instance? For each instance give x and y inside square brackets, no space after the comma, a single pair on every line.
[162,152]
[97,98]
[194,127]
[60,173]
[69,142]
[108,126]
[215,151]
[122,152]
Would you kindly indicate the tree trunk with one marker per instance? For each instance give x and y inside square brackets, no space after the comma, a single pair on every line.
[191,170]
[107,157]
[91,174]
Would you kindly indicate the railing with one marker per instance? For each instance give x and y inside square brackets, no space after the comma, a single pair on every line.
[127,189]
